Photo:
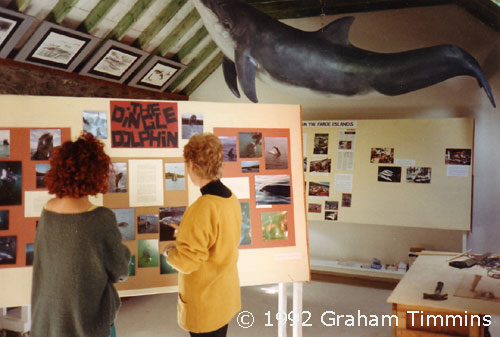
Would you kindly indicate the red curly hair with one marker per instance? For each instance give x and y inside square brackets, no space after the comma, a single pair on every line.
[78,168]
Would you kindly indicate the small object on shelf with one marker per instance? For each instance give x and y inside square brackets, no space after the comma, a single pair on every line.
[391,267]
[402,266]
[376,264]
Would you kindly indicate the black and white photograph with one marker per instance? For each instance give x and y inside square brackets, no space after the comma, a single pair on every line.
[379,155]
[319,189]
[96,122]
[331,215]
[272,189]
[192,124]
[10,183]
[13,26]
[229,145]
[420,175]
[391,174]
[42,142]
[4,143]
[57,47]
[125,217]
[4,220]
[250,166]
[157,74]
[114,61]
[250,144]
[147,224]
[175,177]
[320,143]
[331,205]
[117,181]
[458,157]
[321,166]
[8,251]
[40,171]
[170,220]
[276,155]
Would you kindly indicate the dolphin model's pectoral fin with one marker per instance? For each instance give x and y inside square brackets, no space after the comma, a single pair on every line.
[338,31]
[229,70]
[246,68]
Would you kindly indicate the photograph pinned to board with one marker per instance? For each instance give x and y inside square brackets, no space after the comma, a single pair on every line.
[4,143]
[57,47]
[8,249]
[175,177]
[382,155]
[322,166]
[125,217]
[276,153]
[331,205]
[192,124]
[147,224]
[320,143]
[272,189]
[274,226]
[13,26]
[246,229]
[30,254]
[346,199]
[165,268]
[319,189]
[331,215]
[40,171]
[131,266]
[170,220]
[458,157]
[229,145]
[420,175]
[250,144]
[390,174]
[96,123]
[4,220]
[314,208]
[157,74]
[117,181]
[250,166]
[147,253]
[10,183]
[42,142]
[114,61]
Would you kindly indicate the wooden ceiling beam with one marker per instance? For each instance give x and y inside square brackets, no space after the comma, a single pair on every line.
[191,43]
[202,75]
[96,15]
[19,5]
[159,22]
[178,32]
[61,9]
[129,19]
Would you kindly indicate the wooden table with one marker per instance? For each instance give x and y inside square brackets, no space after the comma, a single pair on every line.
[412,310]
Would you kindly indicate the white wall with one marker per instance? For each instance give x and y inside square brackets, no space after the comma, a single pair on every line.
[393,31]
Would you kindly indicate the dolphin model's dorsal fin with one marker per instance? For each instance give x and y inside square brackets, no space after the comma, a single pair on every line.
[337,31]
[230,75]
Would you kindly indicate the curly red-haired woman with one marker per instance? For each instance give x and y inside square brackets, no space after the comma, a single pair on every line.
[78,248]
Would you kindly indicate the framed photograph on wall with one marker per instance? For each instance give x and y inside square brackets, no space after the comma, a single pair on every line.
[57,47]
[13,26]
[114,61]
[157,74]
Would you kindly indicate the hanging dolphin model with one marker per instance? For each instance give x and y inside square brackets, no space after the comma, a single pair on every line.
[324,61]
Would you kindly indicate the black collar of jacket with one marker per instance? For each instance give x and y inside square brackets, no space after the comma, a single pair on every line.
[216,187]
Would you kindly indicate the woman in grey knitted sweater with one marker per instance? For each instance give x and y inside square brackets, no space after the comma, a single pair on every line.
[78,248]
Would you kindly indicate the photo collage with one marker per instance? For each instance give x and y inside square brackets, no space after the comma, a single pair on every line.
[257,169]
[328,167]
[24,160]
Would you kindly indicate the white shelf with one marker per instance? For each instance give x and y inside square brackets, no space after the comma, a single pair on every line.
[354,268]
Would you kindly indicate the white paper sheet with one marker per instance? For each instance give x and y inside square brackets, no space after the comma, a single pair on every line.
[457,170]
[240,186]
[34,201]
[405,162]
[146,182]
[343,182]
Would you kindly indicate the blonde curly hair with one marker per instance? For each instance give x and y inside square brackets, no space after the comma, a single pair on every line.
[206,153]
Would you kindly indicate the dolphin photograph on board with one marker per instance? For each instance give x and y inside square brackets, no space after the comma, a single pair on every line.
[324,61]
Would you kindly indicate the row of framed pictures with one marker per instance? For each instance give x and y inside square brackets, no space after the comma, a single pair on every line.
[62,48]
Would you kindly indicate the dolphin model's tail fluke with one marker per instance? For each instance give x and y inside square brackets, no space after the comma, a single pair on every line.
[420,68]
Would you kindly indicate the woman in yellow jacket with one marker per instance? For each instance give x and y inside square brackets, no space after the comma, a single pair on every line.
[206,250]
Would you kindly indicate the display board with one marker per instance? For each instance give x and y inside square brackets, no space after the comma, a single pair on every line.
[408,172]
[263,166]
